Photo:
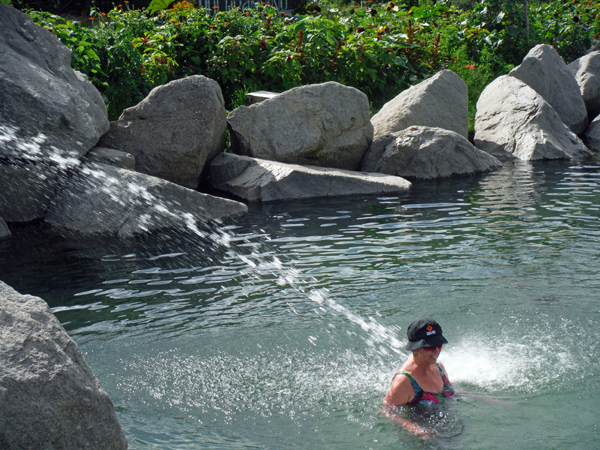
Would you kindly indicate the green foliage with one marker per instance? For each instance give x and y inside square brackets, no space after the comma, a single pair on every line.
[379,48]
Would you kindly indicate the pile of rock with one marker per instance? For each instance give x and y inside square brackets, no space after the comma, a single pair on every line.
[51,118]
[59,151]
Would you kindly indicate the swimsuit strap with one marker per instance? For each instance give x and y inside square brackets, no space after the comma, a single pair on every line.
[418,389]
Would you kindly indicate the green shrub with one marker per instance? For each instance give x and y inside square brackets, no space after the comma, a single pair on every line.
[379,48]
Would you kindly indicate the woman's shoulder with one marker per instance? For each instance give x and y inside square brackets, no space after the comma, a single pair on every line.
[401,391]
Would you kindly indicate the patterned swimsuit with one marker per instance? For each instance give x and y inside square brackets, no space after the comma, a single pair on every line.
[423,398]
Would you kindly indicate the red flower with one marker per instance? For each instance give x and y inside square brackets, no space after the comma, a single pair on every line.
[470,67]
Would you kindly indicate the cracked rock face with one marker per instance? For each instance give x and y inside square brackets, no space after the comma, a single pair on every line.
[546,73]
[49,397]
[426,153]
[326,125]
[514,122]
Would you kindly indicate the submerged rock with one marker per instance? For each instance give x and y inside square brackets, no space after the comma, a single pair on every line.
[324,125]
[514,121]
[49,397]
[546,73]
[427,153]
[102,199]
[255,179]
[587,74]
[440,101]
[174,131]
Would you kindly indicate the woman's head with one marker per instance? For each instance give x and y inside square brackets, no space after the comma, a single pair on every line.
[424,333]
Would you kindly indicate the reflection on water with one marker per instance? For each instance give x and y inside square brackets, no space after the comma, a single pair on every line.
[285,328]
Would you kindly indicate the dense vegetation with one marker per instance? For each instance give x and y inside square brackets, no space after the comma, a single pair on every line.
[379,48]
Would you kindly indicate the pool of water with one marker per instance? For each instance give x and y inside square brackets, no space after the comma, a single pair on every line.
[283,329]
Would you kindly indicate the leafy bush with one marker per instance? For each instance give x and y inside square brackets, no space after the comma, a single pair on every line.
[380,49]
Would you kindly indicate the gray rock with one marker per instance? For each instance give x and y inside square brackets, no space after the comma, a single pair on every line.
[174,131]
[26,190]
[102,199]
[591,137]
[324,125]
[440,101]
[546,73]
[4,231]
[260,180]
[587,74]
[49,115]
[514,121]
[49,397]
[427,153]
[41,95]
[111,157]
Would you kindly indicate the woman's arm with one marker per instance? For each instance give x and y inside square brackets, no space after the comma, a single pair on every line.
[409,426]
[401,391]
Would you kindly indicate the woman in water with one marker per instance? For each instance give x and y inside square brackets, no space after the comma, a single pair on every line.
[421,380]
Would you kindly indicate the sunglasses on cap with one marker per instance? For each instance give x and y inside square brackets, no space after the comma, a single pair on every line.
[431,349]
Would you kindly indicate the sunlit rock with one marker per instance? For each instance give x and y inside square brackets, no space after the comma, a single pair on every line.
[428,153]
[324,125]
[49,115]
[174,131]
[587,74]
[591,137]
[255,179]
[49,397]
[440,101]
[514,121]
[102,199]
[546,73]
[111,157]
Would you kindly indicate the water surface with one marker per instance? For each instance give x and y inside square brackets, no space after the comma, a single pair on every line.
[283,329]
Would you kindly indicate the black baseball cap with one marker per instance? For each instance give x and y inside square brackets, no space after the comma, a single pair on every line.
[424,333]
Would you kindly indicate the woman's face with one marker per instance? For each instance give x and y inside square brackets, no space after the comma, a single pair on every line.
[429,355]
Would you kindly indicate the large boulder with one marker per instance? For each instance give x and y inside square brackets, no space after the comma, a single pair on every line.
[440,101]
[174,131]
[591,137]
[102,199]
[49,115]
[324,125]
[514,121]
[49,397]
[587,74]
[260,180]
[426,153]
[546,73]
